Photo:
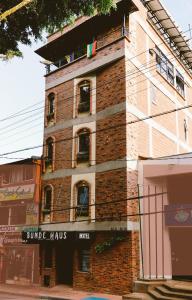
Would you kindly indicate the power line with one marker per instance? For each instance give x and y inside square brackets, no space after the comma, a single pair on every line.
[17,114]
[103,129]
[121,77]
[137,83]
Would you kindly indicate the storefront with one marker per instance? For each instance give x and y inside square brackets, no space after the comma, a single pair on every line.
[166,218]
[19,262]
[85,260]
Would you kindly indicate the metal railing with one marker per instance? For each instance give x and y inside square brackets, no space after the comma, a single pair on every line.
[81,51]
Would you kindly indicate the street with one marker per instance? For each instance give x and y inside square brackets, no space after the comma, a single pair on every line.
[14,297]
[4,296]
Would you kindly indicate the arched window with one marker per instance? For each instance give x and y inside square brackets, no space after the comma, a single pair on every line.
[51,107]
[84,96]
[47,203]
[82,194]
[49,153]
[47,197]
[83,145]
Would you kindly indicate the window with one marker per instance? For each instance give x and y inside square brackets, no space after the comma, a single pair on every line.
[185,125]
[84,102]
[82,199]
[164,66]
[49,153]
[48,198]
[84,260]
[83,145]
[51,107]
[180,84]
[47,204]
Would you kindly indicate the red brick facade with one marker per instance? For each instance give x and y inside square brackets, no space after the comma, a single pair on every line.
[94,153]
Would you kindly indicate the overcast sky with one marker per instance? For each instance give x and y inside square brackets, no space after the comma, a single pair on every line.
[22,86]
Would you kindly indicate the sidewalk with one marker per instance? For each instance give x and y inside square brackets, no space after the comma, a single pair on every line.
[58,292]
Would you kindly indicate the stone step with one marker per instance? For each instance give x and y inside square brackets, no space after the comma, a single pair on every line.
[172,293]
[156,295]
[179,287]
[137,296]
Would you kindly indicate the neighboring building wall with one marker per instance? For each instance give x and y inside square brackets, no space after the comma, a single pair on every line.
[19,211]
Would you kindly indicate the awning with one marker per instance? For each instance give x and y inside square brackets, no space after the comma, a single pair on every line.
[176,39]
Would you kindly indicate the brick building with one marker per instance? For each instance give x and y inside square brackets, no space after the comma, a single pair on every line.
[19,211]
[104,73]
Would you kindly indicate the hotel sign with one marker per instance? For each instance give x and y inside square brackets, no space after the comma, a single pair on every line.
[17,192]
[178,215]
[39,236]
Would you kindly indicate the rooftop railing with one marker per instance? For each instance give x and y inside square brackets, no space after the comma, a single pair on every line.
[81,51]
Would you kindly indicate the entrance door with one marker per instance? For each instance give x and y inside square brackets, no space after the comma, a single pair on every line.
[181,248]
[64,263]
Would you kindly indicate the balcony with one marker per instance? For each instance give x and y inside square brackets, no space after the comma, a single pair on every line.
[81,52]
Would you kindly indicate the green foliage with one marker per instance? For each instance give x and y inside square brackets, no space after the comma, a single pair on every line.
[40,15]
[99,248]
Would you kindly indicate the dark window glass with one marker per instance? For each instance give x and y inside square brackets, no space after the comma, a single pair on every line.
[51,103]
[83,146]
[84,103]
[84,142]
[84,260]
[82,200]
[48,198]
[164,66]
[50,150]
[180,84]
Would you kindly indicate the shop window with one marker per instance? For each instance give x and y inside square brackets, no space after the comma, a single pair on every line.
[82,209]
[164,66]
[49,154]
[84,260]
[180,84]
[51,107]
[84,97]
[83,145]
[47,204]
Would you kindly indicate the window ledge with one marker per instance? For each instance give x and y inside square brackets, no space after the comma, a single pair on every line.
[84,272]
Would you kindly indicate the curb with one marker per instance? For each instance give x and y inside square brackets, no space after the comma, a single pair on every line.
[40,296]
